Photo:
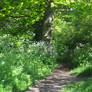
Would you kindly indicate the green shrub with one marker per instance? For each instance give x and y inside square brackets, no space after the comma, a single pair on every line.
[82,54]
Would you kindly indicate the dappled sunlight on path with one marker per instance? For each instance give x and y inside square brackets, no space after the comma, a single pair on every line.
[55,82]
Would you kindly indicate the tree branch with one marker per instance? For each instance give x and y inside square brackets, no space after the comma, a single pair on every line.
[62,10]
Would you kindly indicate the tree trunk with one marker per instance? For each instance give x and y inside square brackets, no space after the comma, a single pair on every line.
[44,31]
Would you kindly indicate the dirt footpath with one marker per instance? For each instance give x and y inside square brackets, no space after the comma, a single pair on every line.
[55,82]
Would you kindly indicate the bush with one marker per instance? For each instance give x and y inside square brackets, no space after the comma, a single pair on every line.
[82,54]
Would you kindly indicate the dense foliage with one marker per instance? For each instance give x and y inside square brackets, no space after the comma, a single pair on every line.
[22,64]
[72,36]
[18,17]
[73,32]
[24,60]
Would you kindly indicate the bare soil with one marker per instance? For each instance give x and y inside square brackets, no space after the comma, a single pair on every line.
[56,81]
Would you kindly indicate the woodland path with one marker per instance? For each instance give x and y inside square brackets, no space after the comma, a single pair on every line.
[55,81]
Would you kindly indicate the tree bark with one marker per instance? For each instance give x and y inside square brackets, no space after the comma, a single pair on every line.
[44,31]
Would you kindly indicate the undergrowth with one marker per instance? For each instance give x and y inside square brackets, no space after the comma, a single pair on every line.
[22,63]
[83,86]
[82,71]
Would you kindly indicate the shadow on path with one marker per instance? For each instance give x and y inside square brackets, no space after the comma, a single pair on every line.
[55,82]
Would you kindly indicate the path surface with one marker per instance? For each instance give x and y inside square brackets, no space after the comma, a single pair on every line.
[55,82]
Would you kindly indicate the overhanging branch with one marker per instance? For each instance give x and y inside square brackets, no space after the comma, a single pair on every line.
[62,10]
[21,16]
